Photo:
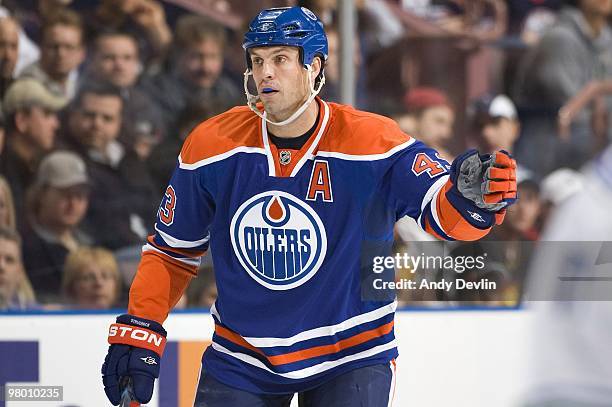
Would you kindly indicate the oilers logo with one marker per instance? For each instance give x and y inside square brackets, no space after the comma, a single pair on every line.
[278,239]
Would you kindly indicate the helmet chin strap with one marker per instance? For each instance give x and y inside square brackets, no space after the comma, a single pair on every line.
[253,99]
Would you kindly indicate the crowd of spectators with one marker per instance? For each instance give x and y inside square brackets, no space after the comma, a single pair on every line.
[97,98]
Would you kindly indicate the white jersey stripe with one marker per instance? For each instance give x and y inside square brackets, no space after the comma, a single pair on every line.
[324,330]
[433,189]
[315,143]
[267,150]
[178,243]
[311,370]
[393,383]
[434,210]
[437,186]
[220,157]
[366,157]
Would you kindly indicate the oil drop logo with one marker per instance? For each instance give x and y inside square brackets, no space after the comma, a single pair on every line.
[278,239]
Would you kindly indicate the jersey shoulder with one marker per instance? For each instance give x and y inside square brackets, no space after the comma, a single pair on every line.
[237,128]
[355,132]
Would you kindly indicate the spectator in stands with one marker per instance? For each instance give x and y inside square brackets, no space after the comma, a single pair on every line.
[31,122]
[7,206]
[62,52]
[15,290]
[56,205]
[116,61]
[522,221]
[9,46]
[497,127]
[91,279]
[496,123]
[196,72]
[145,19]
[574,53]
[122,195]
[429,117]
[483,20]
[529,18]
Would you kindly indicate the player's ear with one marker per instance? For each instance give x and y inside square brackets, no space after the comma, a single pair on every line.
[316,67]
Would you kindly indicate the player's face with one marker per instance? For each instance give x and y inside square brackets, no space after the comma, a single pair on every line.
[10,269]
[95,287]
[281,80]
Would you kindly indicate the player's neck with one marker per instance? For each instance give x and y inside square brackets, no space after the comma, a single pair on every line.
[300,125]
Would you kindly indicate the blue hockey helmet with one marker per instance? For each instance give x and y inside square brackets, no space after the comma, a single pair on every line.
[288,26]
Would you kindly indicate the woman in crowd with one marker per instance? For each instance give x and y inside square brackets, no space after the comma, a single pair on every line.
[91,279]
[15,290]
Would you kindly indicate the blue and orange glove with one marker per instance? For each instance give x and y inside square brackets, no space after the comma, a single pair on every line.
[136,346]
[487,180]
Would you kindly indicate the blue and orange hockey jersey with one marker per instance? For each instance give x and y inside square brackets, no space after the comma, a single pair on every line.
[286,229]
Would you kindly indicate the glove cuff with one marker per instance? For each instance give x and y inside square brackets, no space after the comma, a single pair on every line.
[128,319]
[138,332]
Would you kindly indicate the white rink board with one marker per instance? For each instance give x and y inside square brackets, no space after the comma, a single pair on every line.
[458,358]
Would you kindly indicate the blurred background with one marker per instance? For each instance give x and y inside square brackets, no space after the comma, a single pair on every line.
[98,96]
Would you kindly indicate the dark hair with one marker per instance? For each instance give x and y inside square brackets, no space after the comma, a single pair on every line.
[95,88]
[193,29]
[66,17]
[109,33]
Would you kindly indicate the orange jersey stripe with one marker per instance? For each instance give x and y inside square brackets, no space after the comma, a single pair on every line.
[451,221]
[313,352]
[334,348]
[235,338]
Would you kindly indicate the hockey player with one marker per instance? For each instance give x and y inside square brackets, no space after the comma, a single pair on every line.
[286,193]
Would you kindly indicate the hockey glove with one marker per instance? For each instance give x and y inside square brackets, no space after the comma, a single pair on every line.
[488,180]
[136,345]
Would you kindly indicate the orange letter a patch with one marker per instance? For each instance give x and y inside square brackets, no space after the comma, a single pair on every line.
[320,182]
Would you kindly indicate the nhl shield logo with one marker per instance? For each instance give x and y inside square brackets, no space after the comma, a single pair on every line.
[279,240]
[284,157]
